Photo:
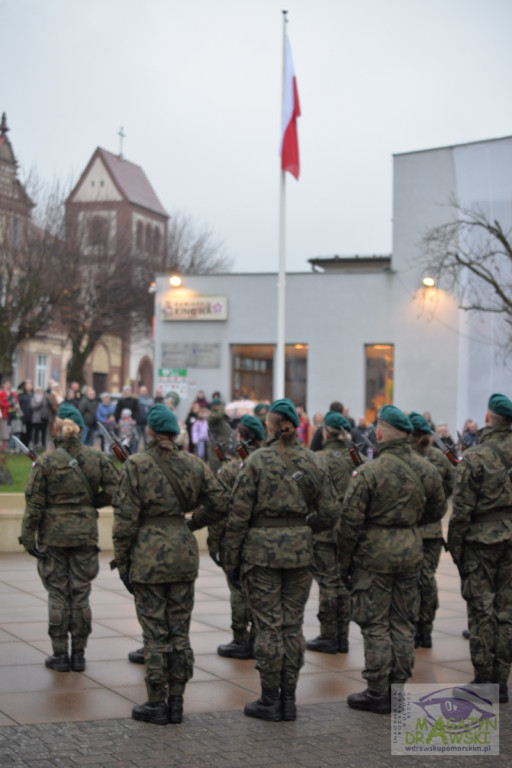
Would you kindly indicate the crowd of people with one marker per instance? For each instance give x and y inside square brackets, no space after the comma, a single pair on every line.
[359,511]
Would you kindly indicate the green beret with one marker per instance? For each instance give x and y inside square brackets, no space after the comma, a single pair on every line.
[68,411]
[216,401]
[251,422]
[260,407]
[500,404]
[394,416]
[286,408]
[336,421]
[161,419]
[419,423]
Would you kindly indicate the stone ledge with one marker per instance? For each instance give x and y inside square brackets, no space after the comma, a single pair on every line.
[12,506]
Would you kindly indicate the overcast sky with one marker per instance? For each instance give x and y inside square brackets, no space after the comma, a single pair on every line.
[196,84]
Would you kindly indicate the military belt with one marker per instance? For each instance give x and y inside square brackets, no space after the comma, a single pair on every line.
[163,520]
[386,525]
[505,513]
[263,521]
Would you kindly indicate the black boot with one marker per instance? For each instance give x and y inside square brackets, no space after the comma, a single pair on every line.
[59,662]
[425,640]
[465,634]
[267,707]
[323,644]
[77,661]
[136,657]
[342,643]
[236,649]
[175,706]
[151,712]
[503,692]
[288,708]
[371,701]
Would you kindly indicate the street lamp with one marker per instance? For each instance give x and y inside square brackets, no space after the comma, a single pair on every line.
[175,281]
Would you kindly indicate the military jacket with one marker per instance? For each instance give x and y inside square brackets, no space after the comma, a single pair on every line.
[383,507]
[336,458]
[59,511]
[151,541]
[447,472]
[266,491]
[220,432]
[227,475]
[482,498]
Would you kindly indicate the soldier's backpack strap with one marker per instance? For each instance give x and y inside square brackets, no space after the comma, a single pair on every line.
[166,471]
[298,476]
[412,474]
[503,458]
[73,463]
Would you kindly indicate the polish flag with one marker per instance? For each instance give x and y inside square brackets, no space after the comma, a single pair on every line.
[291,111]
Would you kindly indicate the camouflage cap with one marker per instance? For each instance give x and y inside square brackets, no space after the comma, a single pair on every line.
[161,419]
[286,408]
[251,422]
[394,416]
[68,411]
[336,420]
[500,404]
[419,423]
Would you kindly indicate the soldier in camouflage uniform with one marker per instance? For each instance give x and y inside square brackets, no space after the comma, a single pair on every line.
[280,494]
[334,597]
[157,557]
[60,529]
[480,542]
[381,545]
[220,433]
[432,534]
[251,435]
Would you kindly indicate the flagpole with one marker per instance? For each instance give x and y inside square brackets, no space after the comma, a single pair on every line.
[281,283]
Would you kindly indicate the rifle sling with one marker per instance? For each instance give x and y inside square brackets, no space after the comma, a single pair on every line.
[168,474]
[73,463]
[298,476]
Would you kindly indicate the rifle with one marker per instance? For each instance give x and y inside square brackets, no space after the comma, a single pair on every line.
[448,452]
[242,450]
[217,447]
[370,445]
[355,455]
[27,451]
[118,448]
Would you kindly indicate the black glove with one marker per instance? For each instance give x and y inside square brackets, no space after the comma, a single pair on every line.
[191,525]
[215,557]
[35,552]
[346,578]
[126,581]
[234,579]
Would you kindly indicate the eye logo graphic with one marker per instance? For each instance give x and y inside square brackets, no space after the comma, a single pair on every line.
[460,705]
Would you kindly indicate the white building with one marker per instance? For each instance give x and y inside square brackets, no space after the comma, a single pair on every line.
[364,330]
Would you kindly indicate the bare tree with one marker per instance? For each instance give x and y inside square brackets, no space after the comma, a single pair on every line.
[32,275]
[471,256]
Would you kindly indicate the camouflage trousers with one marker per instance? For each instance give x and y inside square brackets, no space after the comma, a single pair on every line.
[386,608]
[487,590]
[429,600]
[334,598]
[277,598]
[241,623]
[66,573]
[164,612]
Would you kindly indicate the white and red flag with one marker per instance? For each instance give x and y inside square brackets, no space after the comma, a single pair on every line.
[291,111]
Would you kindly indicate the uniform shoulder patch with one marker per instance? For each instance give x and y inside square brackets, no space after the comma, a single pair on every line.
[354,473]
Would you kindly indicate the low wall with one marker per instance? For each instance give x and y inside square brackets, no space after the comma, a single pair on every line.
[12,506]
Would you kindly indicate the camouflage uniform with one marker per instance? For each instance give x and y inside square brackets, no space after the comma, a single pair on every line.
[334,598]
[61,520]
[240,612]
[432,535]
[221,433]
[154,547]
[269,539]
[380,540]
[480,538]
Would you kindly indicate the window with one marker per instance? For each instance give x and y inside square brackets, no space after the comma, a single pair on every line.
[97,231]
[379,378]
[140,235]
[42,371]
[252,368]
[296,373]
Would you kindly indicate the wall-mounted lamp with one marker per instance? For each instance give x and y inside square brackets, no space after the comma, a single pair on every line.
[175,281]
[152,288]
[428,282]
